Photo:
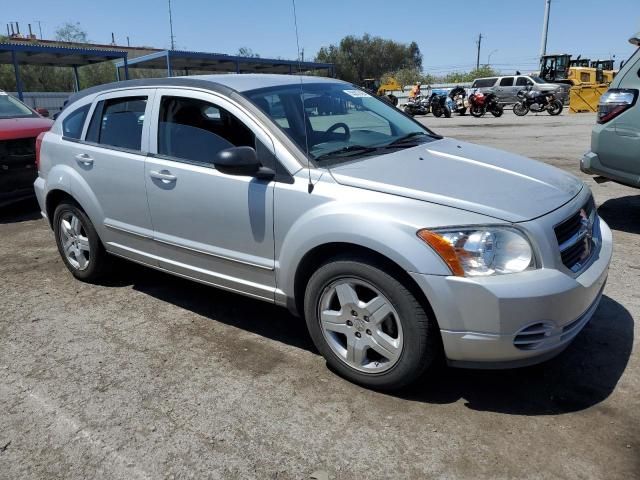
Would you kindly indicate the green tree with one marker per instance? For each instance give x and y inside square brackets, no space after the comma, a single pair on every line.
[247,52]
[357,58]
[71,32]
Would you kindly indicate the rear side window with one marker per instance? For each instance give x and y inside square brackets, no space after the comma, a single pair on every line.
[73,123]
[523,82]
[117,122]
[506,82]
[484,82]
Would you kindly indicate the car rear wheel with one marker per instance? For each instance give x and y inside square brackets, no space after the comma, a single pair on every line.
[78,242]
[368,326]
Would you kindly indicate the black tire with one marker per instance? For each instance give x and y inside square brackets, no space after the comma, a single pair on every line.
[437,112]
[555,108]
[477,111]
[447,112]
[408,111]
[98,257]
[520,110]
[421,341]
[462,111]
[497,111]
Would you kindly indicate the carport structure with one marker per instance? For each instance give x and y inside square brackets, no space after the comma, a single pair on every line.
[178,60]
[17,54]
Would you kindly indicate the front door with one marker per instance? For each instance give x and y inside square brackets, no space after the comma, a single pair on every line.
[210,226]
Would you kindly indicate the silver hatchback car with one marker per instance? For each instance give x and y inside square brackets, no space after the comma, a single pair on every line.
[395,244]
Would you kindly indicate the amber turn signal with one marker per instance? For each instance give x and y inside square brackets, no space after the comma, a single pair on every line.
[444,249]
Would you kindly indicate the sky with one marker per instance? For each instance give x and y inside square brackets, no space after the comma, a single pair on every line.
[445,31]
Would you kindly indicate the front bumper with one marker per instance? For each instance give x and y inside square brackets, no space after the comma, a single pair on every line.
[480,319]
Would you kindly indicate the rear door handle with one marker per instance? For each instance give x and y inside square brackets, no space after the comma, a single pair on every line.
[163,175]
[84,159]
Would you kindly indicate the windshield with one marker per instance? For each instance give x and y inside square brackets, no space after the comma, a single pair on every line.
[12,108]
[342,121]
[537,80]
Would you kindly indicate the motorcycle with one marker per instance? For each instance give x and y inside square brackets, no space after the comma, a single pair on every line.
[535,101]
[417,106]
[460,103]
[438,106]
[481,103]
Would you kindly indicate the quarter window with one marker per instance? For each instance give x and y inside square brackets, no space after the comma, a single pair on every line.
[506,82]
[118,122]
[73,123]
[195,130]
[484,82]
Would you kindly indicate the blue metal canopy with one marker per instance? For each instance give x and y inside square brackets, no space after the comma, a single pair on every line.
[178,60]
[56,56]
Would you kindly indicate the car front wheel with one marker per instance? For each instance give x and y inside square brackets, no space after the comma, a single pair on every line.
[368,325]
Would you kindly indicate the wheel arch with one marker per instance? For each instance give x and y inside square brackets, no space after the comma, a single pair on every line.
[319,255]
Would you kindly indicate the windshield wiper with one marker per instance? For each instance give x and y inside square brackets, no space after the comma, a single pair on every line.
[406,137]
[346,150]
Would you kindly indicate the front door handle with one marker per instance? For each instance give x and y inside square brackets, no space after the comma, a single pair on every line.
[163,175]
[84,159]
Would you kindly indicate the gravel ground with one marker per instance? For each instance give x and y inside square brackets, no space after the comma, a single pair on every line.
[150,376]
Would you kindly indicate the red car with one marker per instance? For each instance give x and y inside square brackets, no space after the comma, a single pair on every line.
[19,127]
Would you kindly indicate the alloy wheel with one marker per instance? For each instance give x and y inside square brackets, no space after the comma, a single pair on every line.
[74,241]
[360,325]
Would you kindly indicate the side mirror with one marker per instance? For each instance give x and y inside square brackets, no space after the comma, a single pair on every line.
[43,111]
[241,161]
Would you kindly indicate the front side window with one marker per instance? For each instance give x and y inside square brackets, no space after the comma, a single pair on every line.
[13,108]
[538,80]
[73,123]
[506,82]
[333,121]
[117,122]
[523,82]
[195,130]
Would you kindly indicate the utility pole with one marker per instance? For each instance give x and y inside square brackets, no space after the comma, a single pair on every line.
[173,40]
[479,42]
[39,28]
[545,28]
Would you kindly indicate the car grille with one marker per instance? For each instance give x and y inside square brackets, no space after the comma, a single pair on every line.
[575,237]
[533,336]
[17,164]
[22,147]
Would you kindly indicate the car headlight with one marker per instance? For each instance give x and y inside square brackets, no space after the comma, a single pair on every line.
[481,251]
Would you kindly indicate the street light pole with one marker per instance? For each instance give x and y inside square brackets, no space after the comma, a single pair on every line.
[173,45]
[489,57]
[545,28]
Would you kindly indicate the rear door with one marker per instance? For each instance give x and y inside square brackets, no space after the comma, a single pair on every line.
[208,225]
[505,90]
[111,161]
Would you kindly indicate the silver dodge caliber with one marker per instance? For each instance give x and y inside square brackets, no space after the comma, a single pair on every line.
[395,244]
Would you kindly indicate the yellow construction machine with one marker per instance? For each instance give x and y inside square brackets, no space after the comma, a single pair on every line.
[384,90]
[588,79]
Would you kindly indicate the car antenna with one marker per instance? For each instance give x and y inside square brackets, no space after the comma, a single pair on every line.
[304,112]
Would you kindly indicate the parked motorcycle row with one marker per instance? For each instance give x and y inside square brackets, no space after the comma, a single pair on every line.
[443,104]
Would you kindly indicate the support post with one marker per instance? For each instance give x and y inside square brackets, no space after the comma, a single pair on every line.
[479,42]
[76,79]
[16,70]
[169,70]
[126,67]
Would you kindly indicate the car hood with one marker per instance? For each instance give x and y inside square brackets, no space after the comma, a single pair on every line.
[25,127]
[466,176]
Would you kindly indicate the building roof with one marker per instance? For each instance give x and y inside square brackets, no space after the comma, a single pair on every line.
[56,56]
[220,62]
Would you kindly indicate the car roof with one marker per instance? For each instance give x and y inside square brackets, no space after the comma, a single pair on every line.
[226,83]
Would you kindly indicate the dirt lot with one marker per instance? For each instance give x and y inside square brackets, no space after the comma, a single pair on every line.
[150,376]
